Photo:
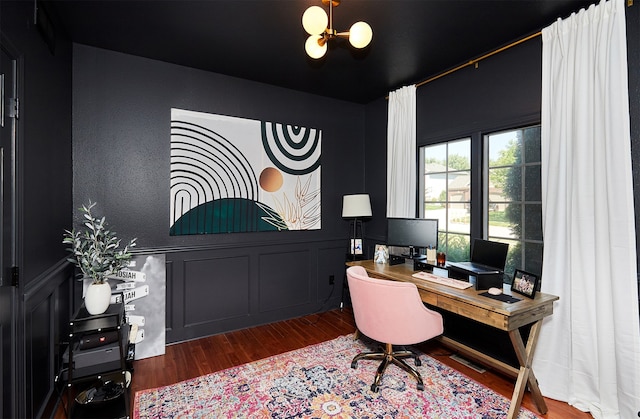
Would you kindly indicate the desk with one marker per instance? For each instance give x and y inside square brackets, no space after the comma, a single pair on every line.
[504,316]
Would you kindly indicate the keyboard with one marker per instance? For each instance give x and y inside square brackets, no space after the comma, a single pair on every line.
[450,282]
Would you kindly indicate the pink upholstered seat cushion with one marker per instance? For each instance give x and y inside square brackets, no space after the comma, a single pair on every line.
[391,311]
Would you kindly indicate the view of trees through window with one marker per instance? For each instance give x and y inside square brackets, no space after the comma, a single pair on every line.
[513,196]
[512,206]
[446,172]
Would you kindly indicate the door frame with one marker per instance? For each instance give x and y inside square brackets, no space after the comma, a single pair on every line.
[10,383]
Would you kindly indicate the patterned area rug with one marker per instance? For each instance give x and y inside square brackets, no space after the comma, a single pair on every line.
[318,382]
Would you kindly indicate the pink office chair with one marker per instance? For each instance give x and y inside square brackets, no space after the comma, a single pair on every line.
[392,313]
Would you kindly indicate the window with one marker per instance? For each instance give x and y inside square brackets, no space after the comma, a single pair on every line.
[446,186]
[511,197]
[513,207]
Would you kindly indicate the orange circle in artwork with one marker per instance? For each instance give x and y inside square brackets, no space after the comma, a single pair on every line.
[271,179]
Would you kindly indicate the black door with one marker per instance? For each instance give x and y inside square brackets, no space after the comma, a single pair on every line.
[8,126]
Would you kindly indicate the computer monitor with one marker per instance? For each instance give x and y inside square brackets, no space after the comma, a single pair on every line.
[414,233]
[489,253]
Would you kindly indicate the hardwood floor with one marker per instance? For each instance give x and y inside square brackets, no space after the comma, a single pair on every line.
[202,356]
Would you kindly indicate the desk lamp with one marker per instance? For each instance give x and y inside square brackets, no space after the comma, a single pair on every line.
[355,207]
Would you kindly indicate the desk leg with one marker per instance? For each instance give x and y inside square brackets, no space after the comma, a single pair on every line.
[526,376]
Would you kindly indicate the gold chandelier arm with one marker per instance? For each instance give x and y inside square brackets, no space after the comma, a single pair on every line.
[330,28]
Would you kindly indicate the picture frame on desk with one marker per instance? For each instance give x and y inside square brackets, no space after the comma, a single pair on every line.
[524,283]
[381,254]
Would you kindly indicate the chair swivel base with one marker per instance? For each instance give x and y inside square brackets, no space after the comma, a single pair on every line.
[387,357]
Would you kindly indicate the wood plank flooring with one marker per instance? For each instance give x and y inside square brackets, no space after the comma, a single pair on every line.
[202,356]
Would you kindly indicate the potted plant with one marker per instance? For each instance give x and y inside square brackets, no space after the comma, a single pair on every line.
[96,251]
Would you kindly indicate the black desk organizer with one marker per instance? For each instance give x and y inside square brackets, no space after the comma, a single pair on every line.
[97,376]
[483,281]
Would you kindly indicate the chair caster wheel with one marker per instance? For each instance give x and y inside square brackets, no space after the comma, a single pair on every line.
[420,387]
[418,362]
[374,388]
[354,365]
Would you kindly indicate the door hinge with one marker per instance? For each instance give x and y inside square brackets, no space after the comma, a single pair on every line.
[14,107]
[14,276]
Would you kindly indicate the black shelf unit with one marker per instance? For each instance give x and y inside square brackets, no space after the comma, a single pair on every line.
[98,363]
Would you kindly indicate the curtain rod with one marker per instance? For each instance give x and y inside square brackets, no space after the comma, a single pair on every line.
[476,60]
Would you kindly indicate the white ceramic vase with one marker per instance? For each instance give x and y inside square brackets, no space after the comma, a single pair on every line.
[97,298]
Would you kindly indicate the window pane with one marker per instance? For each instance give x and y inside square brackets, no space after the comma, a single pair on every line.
[513,183]
[438,212]
[504,149]
[514,258]
[499,179]
[435,187]
[459,218]
[532,145]
[459,186]
[501,222]
[459,155]
[533,258]
[458,248]
[435,158]
[533,222]
[533,191]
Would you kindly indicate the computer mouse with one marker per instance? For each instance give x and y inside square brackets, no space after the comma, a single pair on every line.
[494,291]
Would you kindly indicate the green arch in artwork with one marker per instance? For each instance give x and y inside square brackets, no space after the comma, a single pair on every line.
[228,215]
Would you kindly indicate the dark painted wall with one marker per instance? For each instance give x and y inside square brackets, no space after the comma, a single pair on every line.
[121,115]
[121,148]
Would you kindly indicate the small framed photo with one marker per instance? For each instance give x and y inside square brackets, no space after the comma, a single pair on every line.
[524,283]
[356,246]
[381,254]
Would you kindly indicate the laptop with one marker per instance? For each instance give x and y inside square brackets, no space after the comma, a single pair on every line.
[487,257]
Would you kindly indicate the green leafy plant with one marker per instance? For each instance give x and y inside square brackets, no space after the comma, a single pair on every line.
[96,249]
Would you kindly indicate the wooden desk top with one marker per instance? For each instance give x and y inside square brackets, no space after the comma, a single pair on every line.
[468,302]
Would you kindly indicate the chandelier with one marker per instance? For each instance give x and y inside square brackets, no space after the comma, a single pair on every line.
[315,21]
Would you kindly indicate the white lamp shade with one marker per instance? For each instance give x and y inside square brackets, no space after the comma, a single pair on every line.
[360,34]
[314,20]
[313,48]
[354,206]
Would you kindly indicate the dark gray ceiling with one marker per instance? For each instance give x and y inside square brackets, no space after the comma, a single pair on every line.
[263,40]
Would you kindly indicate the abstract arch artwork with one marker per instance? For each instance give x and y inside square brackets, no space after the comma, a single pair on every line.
[231,175]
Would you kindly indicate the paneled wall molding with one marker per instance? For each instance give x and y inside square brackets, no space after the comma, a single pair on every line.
[47,304]
[214,290]
[43,285]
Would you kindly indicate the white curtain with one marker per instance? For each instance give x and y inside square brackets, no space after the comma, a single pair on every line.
[589,349]
[401,153]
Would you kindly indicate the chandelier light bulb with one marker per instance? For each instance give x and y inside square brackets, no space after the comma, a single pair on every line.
[315,20]
[313,48]
[360,34]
